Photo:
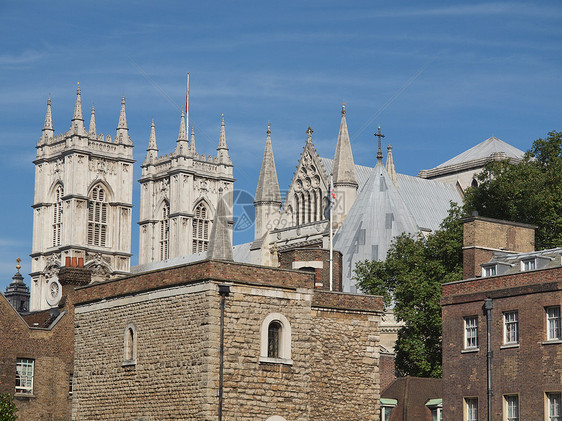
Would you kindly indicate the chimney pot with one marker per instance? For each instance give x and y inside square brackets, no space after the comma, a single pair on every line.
[67,262]
[74,263]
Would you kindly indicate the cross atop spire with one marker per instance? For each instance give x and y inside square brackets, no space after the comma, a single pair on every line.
[379,150]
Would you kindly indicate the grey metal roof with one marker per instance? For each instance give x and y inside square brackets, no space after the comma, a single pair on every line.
[507,263]
[485,149]
[241,254]
[376,217]
[383,210]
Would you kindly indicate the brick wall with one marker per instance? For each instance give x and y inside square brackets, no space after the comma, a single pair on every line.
[529,369]
[316,255]
[483,235]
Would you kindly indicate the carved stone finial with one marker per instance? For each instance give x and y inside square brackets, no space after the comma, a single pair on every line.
[309,132]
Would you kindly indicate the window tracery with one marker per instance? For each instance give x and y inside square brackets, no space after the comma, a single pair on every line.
[201,224]
[97,217]
[308,193]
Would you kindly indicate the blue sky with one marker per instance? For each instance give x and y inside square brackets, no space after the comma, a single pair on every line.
[438,77]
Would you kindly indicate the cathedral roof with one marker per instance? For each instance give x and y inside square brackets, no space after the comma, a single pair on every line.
[383,210]
[477,156]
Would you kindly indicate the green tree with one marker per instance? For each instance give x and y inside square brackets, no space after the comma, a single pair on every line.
[410,279]
[8,408]
[528,192]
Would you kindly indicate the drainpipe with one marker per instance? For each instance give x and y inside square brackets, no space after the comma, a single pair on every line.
[224,291]
[488,306]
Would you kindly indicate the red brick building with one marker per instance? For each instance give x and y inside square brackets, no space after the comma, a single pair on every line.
[37,350]
[502,340]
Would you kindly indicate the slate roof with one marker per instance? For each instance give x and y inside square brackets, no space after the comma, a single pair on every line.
[485,149]
[241,253]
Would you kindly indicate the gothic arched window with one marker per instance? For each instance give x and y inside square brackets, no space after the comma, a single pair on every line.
[57,217]
[165,232]
[97,217]
[201,223]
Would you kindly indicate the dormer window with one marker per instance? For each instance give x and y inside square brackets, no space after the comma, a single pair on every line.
[528,264]
[490,270]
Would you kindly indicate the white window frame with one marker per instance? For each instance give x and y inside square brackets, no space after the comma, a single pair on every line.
[284,340]
[130,345]
[383,412]
[25,372]
[468,409]
[553,325]
[469,328]
[511,327]
[553,413]
[528,264]
[511,407]
[490,270]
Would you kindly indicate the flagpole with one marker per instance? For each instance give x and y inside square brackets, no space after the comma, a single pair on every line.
[187,106]
[331,233]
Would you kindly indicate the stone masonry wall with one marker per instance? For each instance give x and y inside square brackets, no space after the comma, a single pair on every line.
[345,378]
[175,337]
[256,390]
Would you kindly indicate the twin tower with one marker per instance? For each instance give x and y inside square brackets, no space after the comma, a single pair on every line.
[83,200]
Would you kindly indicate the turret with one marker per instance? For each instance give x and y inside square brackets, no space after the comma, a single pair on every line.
[122,135]
[182,146]
[192,147]
[152,150]
[267,200]
[17,293]
[345,177]
[390,165]
[77,124]
[222,150]
[48,131]
[92,132]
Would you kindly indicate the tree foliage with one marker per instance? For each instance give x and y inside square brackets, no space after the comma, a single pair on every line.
[410,279]
[8,408]
[528,192]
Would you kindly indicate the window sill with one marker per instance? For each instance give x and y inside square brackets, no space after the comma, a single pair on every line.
[129,363]
[469,350]
[268,360]
[24,395]
[507,346]
[552,342]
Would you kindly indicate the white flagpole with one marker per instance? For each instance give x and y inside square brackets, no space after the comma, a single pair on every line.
[331,233]
[187,107]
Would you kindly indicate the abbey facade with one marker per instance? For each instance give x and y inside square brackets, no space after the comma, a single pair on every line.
[84,198]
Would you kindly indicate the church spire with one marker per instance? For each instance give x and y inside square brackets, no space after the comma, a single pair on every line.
[268,184]
[192,147]
[77,124]
[122,129]
[92,132]
[48,131]
[152,150]
[390,165]
[223,148]
[220,243]
[182,145]
[344,167]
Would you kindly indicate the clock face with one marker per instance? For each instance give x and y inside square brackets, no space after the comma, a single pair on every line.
[54,292]
[54,289]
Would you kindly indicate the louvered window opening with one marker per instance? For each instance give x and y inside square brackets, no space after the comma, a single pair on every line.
[57,217]
[97,217]
[165,233]
[201,224]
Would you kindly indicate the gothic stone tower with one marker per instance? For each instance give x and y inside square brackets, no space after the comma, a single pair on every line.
[179,196]
[83,200]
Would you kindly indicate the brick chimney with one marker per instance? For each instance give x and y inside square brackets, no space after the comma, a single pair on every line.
[482,236]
